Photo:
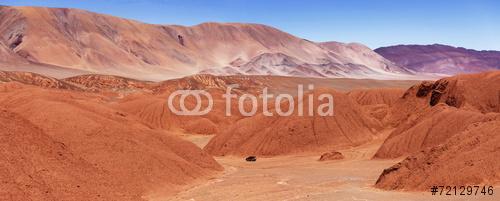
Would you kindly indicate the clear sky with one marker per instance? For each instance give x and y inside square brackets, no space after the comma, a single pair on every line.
[466,23]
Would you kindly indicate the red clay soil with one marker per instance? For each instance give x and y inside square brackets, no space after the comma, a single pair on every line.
[153,111]
[470,157]
[277,135]
[439,124]
[430,113]
[133,159]
[151,108]
[448,129]
[35,166]
[376,102]
[376,96]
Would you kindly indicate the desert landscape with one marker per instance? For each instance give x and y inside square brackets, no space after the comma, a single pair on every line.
[84,113]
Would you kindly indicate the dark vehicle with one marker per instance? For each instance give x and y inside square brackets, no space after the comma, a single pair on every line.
[251,159]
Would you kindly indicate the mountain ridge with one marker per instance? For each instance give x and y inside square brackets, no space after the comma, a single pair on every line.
[438,58]
[90,42]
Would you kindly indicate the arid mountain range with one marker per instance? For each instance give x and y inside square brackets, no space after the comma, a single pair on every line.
[441,59]
[90,42]
[63,42]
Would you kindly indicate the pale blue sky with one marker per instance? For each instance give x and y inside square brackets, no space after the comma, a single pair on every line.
[376,23]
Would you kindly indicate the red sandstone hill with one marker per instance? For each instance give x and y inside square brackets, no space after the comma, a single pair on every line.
[151,108]
[469,158]
[35,166]
[111,154]
[441,58]
[147,100]
[278,135]
[376,102]
[448,130]
[49,40]
[428,109]
[433,128]
[475,92]
[386,96]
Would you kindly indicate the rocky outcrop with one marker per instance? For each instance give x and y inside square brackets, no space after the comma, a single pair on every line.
[476,92]
[424,88]
[436,89]
[181,39]
[334,155]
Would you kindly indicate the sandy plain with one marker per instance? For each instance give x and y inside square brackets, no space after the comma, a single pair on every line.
[303,177]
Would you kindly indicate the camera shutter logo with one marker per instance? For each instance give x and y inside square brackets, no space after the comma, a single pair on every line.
[183,110]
